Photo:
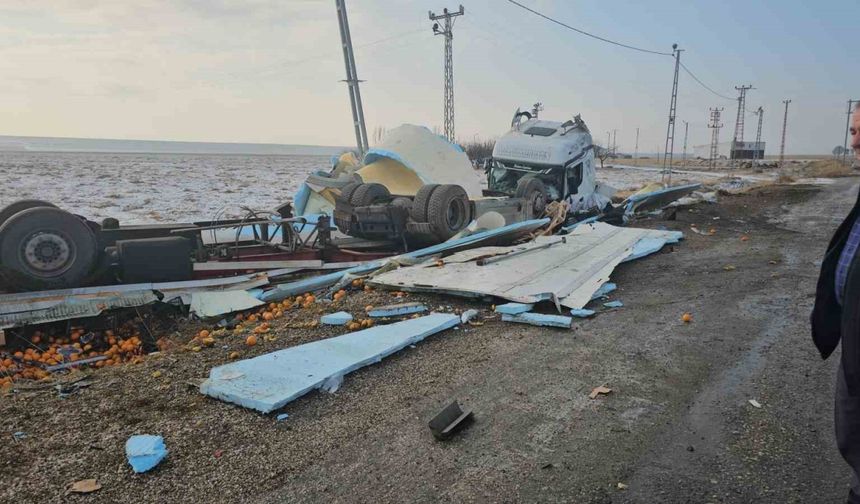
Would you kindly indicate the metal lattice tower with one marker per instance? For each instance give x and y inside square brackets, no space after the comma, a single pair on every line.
[670,129]
[715,126]
[847,127]
[739,122]
[447,30]
[784,124]
[352,79]
[760,114]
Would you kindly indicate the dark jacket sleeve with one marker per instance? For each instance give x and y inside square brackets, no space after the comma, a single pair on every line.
[850,328]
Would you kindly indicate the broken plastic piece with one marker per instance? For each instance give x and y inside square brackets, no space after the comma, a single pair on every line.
[581,312]
[604,290]
[613,304]
[339,318]
[514,308]
[145,452]
[449,420]
[539,319]
[282,417]
[332,383]
[397,310]
[468,315]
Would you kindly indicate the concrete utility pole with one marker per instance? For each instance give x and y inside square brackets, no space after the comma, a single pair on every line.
[352,79]
[636,149]
[686,131]
[715,126]
[448,31]
[782,146]
[739,123]
[608,141]
[760,114]
[847,127]
[670,129]
[614,145]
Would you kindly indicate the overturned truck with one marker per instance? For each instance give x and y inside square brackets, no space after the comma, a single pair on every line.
[534,163]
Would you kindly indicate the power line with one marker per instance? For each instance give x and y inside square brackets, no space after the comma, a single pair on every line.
[704,85]
[577,30]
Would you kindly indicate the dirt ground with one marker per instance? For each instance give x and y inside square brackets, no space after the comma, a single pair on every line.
[677,426]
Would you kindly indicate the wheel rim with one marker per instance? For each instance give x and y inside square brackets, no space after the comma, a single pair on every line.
[538,203]
[454,216]
[47,253]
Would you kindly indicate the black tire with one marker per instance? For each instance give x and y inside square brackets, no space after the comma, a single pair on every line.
[402,201]
[421,203]
[20,205]
[533,190]
[345,223]
[369,194]
[347,191]
[449,211]
[46,248]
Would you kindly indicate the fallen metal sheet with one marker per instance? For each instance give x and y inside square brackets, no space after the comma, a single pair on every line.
[270,381]
[491,236]
[655,200]
[540,319]
[52,310]
[255,265]
[397,310]
[213,304]
[514,308]
[63,304]
[339,318]
[568,273]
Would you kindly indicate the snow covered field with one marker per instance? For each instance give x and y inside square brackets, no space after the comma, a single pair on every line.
[152,188]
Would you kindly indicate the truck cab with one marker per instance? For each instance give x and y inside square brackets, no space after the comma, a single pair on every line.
[544,161]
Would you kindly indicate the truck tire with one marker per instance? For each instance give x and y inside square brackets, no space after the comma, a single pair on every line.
[369,194]
[347,191]
[20,205]
[46,248]
[421,203]
[449,211]
[533,190]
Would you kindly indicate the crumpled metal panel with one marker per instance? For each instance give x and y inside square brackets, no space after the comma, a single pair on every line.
[52,309]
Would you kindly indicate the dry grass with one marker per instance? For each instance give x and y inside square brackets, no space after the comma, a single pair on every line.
[828,168]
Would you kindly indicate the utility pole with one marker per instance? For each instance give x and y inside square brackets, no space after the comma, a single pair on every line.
[847,127]
[352,79]
[670,129]
[782,146]
[715,126]
[608,142]
[686,131]
[636,149]
[447,31]
[614,145]
[739,123]
[760,114]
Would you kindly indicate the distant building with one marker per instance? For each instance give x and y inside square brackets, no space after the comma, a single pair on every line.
[741,150]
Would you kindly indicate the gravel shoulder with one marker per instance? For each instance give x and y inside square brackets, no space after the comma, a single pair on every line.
[677,427]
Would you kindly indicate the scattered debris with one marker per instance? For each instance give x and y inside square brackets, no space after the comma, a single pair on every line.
[754,403]
[613,304]
[270,381]
[468,315]
[539,319]
[448,421]
[622,486]
[729,267]
[282,417]
[582,312]
[144,452]
[397,310]
[19,435]
[83,486]
[601,390]
[514,308]
[339,318]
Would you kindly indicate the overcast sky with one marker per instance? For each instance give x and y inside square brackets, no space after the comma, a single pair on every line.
[269,70]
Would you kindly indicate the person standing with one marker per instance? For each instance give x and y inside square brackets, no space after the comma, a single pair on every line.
[836,317]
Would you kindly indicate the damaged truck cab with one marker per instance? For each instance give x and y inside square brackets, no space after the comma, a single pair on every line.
[544,161]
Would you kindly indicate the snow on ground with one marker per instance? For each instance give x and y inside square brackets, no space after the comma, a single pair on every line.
[153,188]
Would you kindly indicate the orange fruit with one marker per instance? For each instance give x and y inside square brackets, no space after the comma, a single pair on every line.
[251,340]
[687,318]
[19,354]
[36,338]
[268,316]
[234,355]
[203,334]
[273,306]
